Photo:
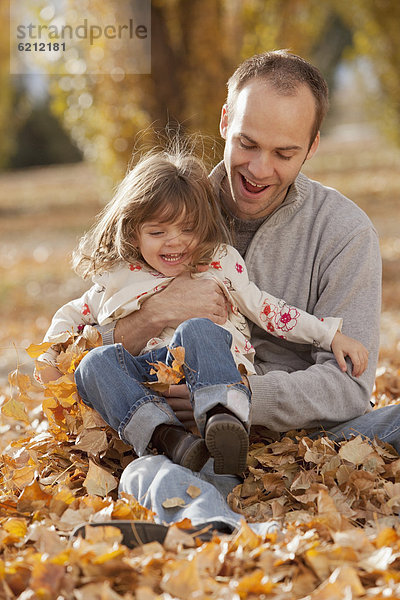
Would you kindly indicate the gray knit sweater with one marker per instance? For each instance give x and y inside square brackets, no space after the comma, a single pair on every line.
[320,252]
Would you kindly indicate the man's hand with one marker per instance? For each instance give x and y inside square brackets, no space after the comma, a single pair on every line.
[187,297]
[184,298]
[178,399]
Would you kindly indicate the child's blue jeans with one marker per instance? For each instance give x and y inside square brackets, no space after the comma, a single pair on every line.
[110,380]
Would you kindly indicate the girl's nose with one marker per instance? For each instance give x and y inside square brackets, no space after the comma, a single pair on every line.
[173,238]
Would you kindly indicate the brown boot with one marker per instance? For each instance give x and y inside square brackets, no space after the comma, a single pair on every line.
[227,441]
[182,447]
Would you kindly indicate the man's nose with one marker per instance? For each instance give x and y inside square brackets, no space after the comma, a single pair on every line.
[261,167]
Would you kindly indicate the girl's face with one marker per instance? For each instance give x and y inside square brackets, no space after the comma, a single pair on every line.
[167,247]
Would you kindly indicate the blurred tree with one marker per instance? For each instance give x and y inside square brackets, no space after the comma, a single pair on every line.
[195,47]
[196,44]
[40,139]
[6,90]
[376,36]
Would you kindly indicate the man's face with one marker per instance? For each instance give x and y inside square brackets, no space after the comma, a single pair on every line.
[267,140]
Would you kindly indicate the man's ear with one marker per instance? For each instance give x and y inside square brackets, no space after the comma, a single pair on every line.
[314,147]
[223,124]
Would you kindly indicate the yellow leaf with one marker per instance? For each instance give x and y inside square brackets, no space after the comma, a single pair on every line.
[16,528]
[22,382]
[16,410]
[35,350]
[246,537]
[386,537]
[103,558]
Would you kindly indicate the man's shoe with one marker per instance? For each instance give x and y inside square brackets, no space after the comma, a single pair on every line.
[137,533]
[228,442]
[182,447]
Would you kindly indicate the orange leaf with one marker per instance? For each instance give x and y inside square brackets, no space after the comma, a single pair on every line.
[166,374]
[257,583]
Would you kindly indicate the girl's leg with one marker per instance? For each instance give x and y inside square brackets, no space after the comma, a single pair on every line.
[217,394]
[210,370]
[109,380]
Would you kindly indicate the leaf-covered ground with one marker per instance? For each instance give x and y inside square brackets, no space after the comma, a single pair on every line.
[337,503]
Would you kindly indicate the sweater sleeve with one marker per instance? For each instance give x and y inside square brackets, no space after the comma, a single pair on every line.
[324,396]
[273,314]
[72,318]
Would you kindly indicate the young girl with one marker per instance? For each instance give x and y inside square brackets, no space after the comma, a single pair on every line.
[163,221]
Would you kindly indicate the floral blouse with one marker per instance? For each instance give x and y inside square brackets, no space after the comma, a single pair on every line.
[121,291]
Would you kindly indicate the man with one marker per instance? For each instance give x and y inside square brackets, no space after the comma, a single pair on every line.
[303,242]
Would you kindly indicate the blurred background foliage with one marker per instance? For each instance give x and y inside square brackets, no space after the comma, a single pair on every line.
[196,45]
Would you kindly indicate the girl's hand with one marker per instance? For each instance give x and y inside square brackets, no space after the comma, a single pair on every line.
[343,346]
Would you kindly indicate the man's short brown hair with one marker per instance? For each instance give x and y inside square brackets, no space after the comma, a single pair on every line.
[285,71]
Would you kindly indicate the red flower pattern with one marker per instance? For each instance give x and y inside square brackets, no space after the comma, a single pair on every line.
[135,267]
[287,318]
[216,265]
[234,309]
[140,295]
[239,268]
[268,311]
[85,310]
[248,346]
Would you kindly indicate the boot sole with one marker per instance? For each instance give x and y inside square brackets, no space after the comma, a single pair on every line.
[195,456]
[228,444]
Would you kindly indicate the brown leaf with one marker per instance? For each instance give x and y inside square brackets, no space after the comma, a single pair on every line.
[93,441]
[355,451]
[181,578]
[173,502]
[99,481]
[193,491]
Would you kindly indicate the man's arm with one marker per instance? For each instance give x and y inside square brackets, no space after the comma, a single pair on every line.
[321,394]
[184,298]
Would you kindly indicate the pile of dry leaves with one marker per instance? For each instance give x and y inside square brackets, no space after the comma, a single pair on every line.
[60,464]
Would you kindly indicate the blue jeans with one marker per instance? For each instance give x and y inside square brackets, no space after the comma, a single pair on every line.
[152,479]
[383,423]
[110,380]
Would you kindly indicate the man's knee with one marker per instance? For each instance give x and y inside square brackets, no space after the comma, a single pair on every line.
[138,476]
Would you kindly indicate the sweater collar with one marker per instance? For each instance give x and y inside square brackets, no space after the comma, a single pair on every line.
[294,198]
